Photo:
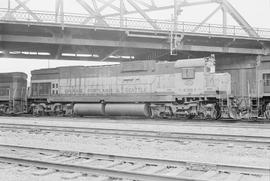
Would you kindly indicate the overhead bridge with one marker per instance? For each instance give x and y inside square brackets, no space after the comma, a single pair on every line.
[55,35]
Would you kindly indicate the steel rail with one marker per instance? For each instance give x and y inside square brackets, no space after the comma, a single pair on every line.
[143,133]
[93,170]
[218,123]
[166,162]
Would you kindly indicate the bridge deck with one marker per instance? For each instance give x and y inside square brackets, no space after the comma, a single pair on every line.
[83,21]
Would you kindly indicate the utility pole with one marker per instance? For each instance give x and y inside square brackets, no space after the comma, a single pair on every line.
[8,5]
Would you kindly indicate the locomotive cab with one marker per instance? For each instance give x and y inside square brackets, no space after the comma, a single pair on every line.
[201,87]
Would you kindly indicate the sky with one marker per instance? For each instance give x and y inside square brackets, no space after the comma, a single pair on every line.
[256,12]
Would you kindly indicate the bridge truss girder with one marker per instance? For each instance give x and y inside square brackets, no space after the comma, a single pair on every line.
[118,8]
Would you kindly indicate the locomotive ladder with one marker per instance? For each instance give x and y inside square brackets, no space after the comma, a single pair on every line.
[254,107]
[10,100]
[224,106]
[254,103]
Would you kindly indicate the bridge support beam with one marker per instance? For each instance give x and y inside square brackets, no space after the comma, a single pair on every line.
[239,19]
[9,14]
[93,13]
[128,44]
[224,18]
[59,11]
[207,18]
[141,12]
[22,4]
[108,4]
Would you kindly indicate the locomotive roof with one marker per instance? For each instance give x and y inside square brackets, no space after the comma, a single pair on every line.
[197,62]
[14,74]
[265,58]
[52,70]
[129,65]
[12,77]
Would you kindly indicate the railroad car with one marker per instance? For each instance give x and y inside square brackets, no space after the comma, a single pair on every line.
[185,88]
[250,83]
[13,88]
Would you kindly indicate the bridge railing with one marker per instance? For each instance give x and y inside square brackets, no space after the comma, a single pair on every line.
[128,23]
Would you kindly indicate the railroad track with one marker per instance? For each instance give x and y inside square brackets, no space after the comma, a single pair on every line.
[230,124]
[229,138]
[81,164]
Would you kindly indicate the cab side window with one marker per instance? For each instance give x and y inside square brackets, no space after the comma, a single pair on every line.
[54,88]
[266,79]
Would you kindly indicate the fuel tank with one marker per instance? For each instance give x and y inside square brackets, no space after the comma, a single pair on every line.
[127,110]
[89,109]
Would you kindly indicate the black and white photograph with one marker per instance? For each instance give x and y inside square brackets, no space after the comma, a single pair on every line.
[134,90]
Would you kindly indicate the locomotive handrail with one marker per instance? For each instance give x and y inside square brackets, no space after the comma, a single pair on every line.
[47,18]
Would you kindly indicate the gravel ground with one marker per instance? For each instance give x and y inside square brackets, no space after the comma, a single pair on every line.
[249,155]
[12,174]
[196,151]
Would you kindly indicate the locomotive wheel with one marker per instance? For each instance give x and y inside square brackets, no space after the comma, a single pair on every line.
[191,116]
[212,112]
[57,109]
[164,115]
[233,114]
[218,114]
[39,110]
[215,115]
[201,115]
[267,114]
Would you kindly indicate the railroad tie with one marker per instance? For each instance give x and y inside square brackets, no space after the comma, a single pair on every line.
[6,166]
[234,177]
[72,175]
[175,171]
[265,178]
[137,166]
[50,157]
[43,172]
[207,175]
[230,145]
[87,161]
[156,169]
[25,168]
[99,178]
[114,164]
[14,167]
[67,159]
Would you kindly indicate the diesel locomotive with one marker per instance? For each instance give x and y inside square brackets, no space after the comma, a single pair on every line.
[13,88]
[189,88]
